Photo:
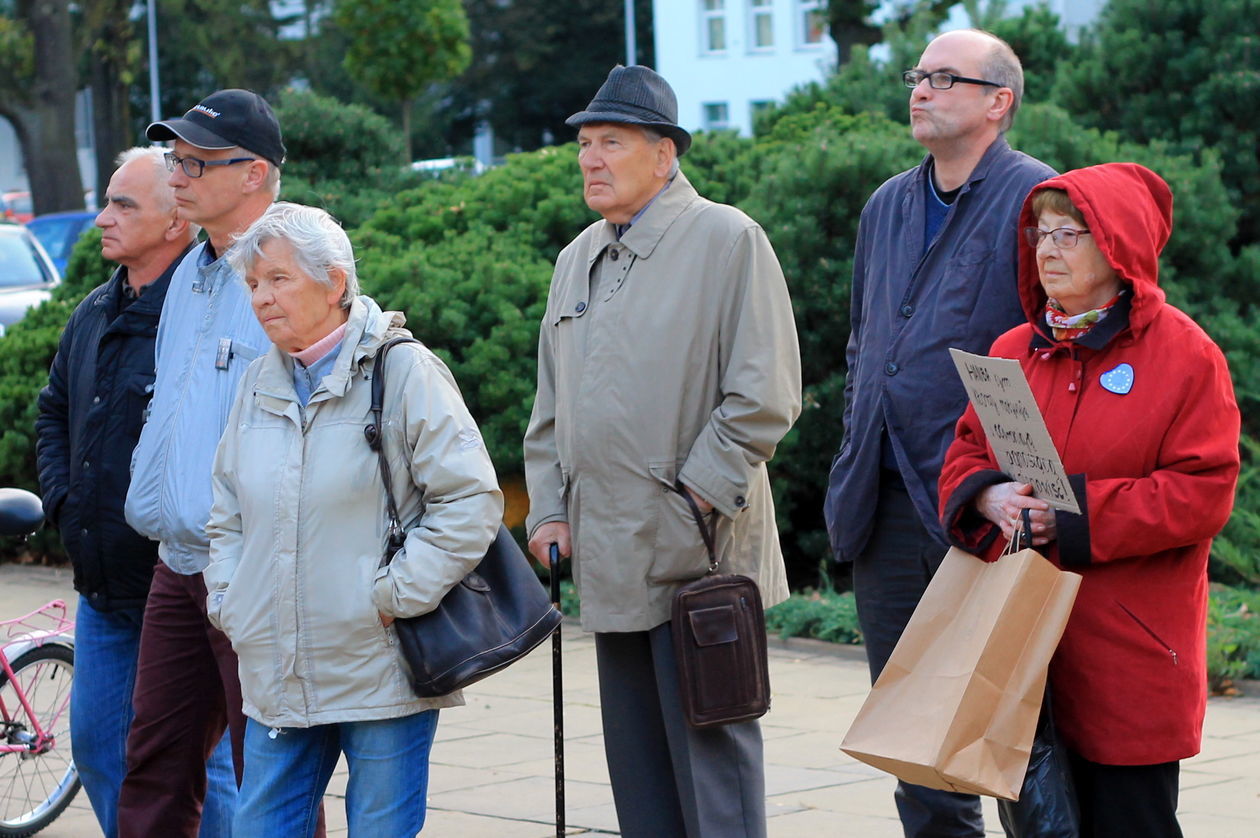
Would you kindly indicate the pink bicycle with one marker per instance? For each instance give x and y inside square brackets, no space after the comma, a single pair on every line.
[37,774]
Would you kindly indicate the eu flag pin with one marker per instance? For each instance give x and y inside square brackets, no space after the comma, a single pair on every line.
[1118,379]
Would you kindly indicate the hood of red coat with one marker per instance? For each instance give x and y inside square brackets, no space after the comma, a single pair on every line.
[1128,210]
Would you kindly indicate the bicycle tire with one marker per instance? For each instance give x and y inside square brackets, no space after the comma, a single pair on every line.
[35,789]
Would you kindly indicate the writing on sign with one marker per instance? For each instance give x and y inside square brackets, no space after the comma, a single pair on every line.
[1017,433]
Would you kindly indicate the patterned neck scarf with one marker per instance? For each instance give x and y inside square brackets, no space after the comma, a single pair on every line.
[1071,326]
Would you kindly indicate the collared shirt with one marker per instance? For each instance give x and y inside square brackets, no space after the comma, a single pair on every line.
[207,336]
[306,378]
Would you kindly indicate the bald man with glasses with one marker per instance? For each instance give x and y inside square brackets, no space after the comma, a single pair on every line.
[934,268]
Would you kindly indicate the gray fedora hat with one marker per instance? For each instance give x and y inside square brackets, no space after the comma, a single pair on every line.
[636,96]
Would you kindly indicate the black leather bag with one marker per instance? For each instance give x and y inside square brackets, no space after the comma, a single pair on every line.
[495,616]
[719,630]
[1047,805]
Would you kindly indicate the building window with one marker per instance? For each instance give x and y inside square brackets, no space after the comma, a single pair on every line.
[811,16]
[761,19]
[713,25]
[717,116]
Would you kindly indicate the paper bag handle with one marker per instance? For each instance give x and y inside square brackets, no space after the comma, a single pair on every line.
[1022,535]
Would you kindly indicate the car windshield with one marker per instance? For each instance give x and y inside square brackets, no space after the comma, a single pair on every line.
[19,264]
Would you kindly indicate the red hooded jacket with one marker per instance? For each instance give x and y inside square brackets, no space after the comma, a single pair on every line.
[1143,414]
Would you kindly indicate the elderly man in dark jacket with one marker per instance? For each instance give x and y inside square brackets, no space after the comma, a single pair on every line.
[934,268]
[90,416]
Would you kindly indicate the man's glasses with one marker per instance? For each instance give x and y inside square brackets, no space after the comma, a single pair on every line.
[940,80]
[1063,237]
[196,168]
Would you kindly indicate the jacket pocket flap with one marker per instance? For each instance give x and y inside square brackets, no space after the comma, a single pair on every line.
[714,626]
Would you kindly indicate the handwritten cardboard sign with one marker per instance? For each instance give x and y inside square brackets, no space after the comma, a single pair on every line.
[1000,394]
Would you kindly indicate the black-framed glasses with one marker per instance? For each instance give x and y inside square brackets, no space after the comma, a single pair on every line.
[1064,237]
[940,80]
[196,168]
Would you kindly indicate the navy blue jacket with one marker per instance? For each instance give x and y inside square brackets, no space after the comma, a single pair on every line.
[908,308]
[90,416]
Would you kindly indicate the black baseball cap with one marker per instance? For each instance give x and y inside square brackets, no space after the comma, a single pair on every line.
[225,119]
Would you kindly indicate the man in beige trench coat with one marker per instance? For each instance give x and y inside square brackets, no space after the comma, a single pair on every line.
[667,363]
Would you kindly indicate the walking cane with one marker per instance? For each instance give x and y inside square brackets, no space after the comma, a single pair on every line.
[557,693]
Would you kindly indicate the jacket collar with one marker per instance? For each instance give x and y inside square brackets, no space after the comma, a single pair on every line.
[366,329]
[140,312]
[1117,321]
[646,233]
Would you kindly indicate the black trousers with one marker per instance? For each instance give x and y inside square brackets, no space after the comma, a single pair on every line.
[668,779]
[889,577]
[1125,801]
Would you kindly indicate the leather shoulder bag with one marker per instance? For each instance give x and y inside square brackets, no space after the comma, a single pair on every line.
[494,617]
[719,629]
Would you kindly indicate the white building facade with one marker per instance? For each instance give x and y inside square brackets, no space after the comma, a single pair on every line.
[728,58]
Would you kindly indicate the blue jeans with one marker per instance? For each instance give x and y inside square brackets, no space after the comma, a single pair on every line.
[287,771]
[106,647]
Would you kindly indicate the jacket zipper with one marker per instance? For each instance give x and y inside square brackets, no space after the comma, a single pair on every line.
[1147,629]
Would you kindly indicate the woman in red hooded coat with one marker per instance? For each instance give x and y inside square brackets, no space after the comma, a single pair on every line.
[1138,401]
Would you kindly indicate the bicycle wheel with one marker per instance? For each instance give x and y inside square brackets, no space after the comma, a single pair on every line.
[36,786]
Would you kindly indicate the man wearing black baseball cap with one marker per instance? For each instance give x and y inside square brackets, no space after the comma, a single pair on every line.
[225,171]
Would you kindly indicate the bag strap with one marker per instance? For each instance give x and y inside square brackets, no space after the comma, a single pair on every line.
[374,434]
[706,532]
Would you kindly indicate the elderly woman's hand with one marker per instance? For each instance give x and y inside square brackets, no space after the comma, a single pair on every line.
[386,620]
[1002,503]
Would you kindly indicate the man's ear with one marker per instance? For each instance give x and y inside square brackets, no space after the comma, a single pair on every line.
[257,175]
[176,227]
[666,152]
[1002,102]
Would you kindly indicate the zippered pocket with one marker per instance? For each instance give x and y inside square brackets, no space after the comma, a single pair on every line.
[1149,631]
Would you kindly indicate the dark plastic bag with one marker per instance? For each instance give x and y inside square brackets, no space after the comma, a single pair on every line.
[1047,806]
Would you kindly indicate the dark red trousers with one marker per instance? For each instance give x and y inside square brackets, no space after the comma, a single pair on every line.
[187,691]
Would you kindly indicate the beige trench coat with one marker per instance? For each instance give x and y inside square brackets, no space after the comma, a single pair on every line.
[682,366]
[298,526]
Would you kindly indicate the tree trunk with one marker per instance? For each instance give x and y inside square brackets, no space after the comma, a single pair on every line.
[406,127]
[47,121]
[111,106]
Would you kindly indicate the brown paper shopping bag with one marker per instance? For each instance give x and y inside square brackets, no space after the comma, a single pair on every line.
[956,706]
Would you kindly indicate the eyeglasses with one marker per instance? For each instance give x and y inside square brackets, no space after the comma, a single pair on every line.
[196,168]
[1064,237]
[940,80]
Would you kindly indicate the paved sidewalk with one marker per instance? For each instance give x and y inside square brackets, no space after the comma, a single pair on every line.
[491,771]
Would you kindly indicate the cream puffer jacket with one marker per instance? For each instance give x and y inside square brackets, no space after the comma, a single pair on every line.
[298,526]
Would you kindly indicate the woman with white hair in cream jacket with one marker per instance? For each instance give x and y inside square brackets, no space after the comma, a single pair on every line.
[298,530]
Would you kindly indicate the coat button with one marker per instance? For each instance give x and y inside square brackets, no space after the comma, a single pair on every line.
[612,255]
[891,368]
[96,400]
[740,501]
[907,310]
[580,307]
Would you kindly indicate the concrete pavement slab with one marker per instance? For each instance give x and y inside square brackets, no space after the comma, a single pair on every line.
[491,774]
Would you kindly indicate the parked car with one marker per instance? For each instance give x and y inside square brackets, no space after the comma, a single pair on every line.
[16,207]
[27,275]
[58,232]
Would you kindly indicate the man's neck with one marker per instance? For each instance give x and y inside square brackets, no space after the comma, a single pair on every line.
[222,235]
[144,271]
[953,164]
